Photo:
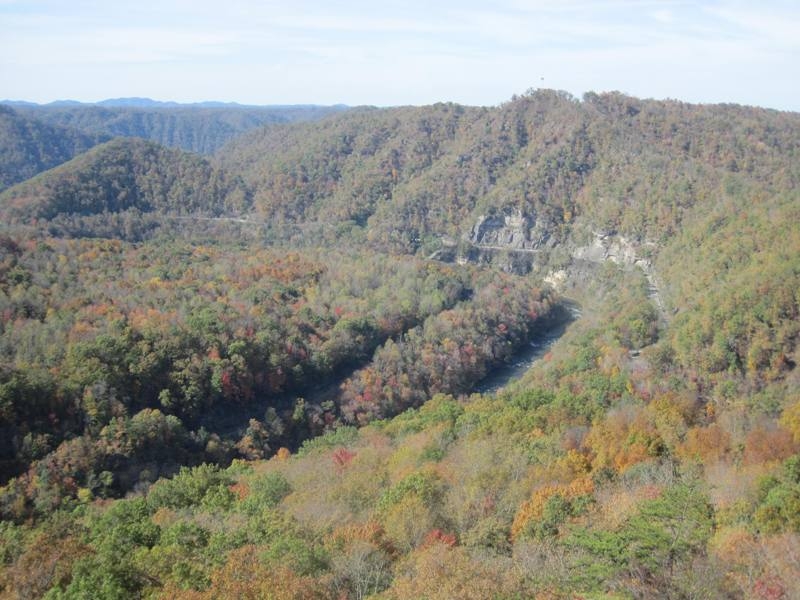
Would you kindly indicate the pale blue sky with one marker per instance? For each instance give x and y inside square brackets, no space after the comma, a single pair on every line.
[390,52]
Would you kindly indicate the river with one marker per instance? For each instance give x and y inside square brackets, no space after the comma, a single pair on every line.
[526,356]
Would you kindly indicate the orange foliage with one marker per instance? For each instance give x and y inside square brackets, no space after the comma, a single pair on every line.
[240,489]
[81,331]
[371,533]
[626,437]
[437,536]
[706,444]
[763,567]
[766,445]
[534,507]
[46,563]
[734,547]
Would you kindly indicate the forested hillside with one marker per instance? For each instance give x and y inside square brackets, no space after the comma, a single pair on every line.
[28,146]
[611,162]
[201,129]
[107,344]
[125,175]
[254,375]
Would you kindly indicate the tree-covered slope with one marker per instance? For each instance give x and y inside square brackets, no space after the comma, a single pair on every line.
[413,175]
[704,197]
[29,146]
[196,337]
[597,478]
[652,452]
[123,175]
[200,129]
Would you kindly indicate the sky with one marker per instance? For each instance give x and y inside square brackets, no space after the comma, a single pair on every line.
[387,52]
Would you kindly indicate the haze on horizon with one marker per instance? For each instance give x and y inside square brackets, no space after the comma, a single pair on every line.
[393,53]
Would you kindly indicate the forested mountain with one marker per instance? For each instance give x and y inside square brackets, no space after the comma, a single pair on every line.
[254,375]
[202,128]
[29,146]
[611,162]
[124,175]
[705,197]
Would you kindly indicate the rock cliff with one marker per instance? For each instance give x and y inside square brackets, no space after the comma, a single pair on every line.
[515,231]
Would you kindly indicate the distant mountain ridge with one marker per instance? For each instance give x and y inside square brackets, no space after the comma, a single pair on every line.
[29,146]
[202,127]
[34,138]
[522,175]
[141,102]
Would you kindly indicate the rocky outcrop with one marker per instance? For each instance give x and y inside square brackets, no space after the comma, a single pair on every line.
[515,231]
[617,249]
[515,242]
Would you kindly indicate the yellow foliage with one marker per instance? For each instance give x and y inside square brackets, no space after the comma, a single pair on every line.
[406,458]
[164,517]
[573,464]
[245,577]
[790,420]
[626,437]
[733,545]
[671,415]
[612,359]
[409,521]
[441,572]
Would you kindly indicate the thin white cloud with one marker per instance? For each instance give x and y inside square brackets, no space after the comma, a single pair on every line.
[770,28]
[116,46]
[363,24]
[664,16]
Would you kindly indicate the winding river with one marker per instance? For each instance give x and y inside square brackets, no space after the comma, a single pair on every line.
[231,424]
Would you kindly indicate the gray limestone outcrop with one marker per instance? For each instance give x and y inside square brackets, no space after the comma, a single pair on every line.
[515,231]
[617,249]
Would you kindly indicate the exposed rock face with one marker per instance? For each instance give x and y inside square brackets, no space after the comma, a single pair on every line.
[515,231]
[615,248]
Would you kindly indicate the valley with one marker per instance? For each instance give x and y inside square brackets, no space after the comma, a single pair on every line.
[543,349]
